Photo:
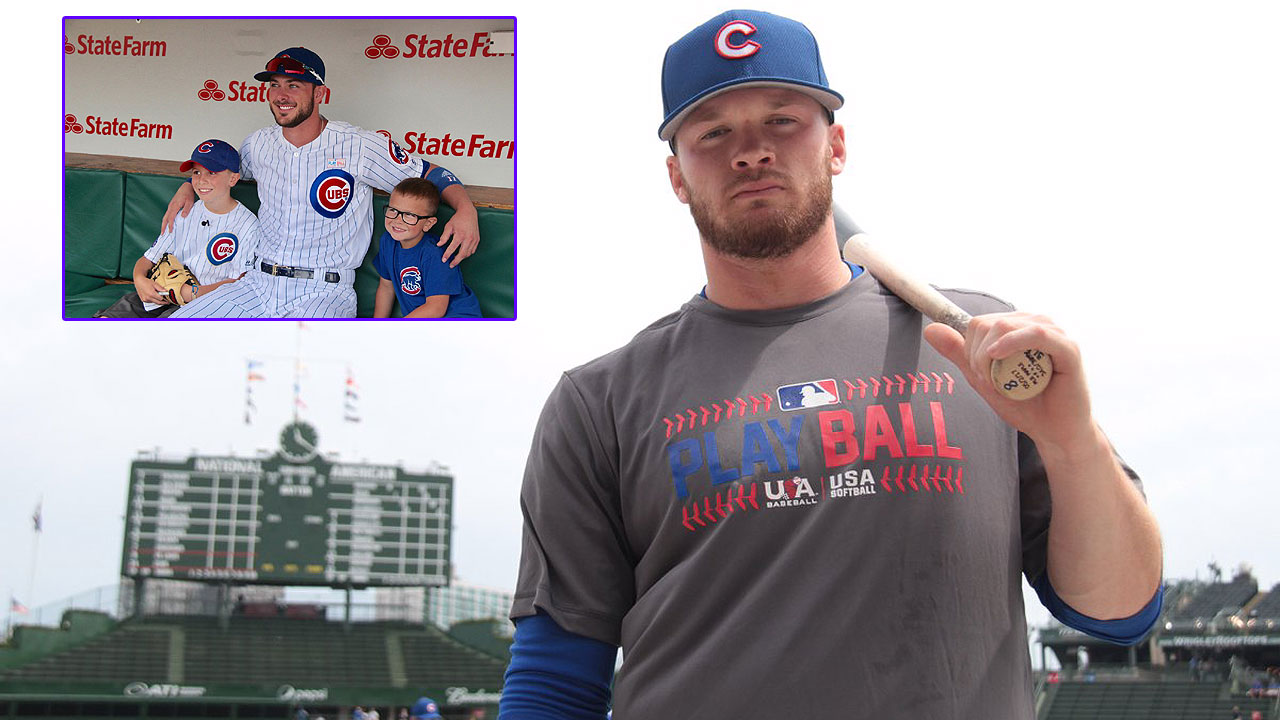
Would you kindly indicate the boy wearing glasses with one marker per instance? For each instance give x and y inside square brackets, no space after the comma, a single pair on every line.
[216,242]
[413,271]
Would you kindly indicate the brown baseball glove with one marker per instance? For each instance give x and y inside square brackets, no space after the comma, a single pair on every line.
[171,275]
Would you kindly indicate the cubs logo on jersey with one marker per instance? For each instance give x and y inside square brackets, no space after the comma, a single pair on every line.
[221,248]
[331,192]
[398,155]
[410,280]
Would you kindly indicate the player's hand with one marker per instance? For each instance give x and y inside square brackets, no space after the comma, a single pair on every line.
[149,291]
[1060,418]
[182,201]
[462,232]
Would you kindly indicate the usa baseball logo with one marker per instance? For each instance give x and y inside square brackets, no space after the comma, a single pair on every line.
[727,49]
[221,248]
[331,192]
[411,280]
[398,156]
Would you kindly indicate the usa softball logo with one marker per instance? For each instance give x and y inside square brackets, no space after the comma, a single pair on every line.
[411,280]
[222,248]
[730,51]
[398,156]
[331,192]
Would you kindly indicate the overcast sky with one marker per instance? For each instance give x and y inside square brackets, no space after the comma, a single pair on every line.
[1113,165]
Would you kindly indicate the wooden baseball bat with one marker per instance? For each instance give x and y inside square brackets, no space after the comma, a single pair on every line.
[1018,377]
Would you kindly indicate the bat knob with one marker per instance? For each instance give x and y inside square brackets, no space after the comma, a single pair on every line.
[1022,376]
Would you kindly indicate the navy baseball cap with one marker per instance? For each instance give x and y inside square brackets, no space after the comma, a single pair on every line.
[737,49]
[297,61]
[424,708]
[215,156]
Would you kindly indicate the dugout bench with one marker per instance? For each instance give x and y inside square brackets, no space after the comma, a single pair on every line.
[113,214]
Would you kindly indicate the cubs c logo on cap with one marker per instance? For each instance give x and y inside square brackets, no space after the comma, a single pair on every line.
[331,192]
[205,147]
[725,45]
[411,280]
[221,248]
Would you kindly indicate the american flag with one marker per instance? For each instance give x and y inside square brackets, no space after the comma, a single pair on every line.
[15,606]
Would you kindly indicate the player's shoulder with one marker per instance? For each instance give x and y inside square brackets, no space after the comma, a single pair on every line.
[645,351]
[976,302]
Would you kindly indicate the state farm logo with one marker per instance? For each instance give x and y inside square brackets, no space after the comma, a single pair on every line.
[425,46]
[117,127]
[210,91]
[381,48]
[239,91]
[129,46]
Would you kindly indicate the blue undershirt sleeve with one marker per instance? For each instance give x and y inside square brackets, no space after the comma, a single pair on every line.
[1123,631]
[555,674]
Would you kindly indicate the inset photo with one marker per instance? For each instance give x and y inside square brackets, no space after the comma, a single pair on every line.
[299,168]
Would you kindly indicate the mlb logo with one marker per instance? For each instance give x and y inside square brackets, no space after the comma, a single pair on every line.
[814,393]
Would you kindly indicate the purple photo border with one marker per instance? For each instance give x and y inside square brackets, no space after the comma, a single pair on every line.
[515,172]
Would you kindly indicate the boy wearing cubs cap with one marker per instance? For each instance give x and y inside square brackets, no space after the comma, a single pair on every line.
[413,271]
[216,242]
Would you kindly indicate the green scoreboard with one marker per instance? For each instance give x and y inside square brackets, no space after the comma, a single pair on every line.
[294,518]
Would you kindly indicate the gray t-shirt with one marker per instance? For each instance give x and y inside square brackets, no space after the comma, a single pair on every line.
[788,513]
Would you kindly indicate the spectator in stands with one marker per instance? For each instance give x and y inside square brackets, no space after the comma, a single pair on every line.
[358,713]
[1256,715]
[1235,713]
[424,709]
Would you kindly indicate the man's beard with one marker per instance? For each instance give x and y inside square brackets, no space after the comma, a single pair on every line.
[302,114]
[761,238]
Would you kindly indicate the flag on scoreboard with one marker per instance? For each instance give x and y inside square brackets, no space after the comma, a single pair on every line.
[15,606]
[37,518]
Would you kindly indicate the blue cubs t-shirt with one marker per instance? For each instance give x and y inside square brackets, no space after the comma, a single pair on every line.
[418,273]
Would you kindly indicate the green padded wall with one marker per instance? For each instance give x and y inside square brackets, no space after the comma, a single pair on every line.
[127,209]
[93,200]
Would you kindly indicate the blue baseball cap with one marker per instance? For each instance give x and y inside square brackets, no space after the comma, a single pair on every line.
[215,156]
[294,61]
[737,49]
[424,708]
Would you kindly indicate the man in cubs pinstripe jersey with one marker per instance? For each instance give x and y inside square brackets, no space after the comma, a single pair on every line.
[315,181]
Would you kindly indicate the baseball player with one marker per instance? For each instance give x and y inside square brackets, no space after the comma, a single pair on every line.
[315,180]
[851,552]
[216,242]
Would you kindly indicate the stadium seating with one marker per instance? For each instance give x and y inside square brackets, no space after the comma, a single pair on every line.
[252,650]
[1216,597]
[1146,701]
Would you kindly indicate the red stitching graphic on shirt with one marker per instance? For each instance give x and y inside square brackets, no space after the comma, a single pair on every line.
[708,512]
[940,481]
[886,385]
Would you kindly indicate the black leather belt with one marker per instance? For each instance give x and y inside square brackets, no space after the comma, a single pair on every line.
[296,272]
